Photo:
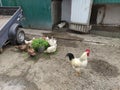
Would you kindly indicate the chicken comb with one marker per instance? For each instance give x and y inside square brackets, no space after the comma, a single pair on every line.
[88,52]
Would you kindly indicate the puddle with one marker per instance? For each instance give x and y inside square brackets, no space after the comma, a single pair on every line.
[64,39]
[67,43]
[104,68]
[16,83]
[63,36]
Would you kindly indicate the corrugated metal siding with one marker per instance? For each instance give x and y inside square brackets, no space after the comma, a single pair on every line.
[66,10]
[37,13]
[80,28]
[106,1]
[81,11]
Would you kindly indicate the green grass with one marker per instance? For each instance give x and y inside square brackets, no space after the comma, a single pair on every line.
[38,55]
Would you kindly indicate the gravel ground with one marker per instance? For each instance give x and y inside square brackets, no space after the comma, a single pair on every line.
[54,72]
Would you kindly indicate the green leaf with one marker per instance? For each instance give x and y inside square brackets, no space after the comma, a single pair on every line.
[37,43]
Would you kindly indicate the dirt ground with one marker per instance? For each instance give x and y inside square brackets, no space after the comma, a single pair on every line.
[53,72]
[3,20]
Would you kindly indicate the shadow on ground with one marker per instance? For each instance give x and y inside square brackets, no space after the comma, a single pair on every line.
[104,68]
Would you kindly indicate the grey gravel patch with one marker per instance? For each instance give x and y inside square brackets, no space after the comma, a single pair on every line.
[16,83]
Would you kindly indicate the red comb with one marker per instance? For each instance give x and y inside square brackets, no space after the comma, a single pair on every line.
[88,51]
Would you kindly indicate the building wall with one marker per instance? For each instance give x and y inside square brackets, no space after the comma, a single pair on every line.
[37,12]
[66,10]
[110,15]
[106,1]
[56,11]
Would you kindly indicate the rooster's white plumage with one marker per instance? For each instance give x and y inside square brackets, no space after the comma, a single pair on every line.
[78,63]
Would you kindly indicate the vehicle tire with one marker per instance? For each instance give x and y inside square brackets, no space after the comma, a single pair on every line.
[20,36]
[16,36]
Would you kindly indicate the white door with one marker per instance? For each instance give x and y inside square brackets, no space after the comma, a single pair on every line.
[66,10]
[81,11]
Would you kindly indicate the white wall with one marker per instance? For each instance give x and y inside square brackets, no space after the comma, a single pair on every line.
[66,10]
[112,15]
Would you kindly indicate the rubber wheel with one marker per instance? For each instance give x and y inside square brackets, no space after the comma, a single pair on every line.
[20,36]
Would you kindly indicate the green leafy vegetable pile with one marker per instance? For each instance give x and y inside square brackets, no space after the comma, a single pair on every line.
[38,43]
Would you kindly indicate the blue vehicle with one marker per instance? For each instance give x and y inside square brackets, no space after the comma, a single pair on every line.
[10,18]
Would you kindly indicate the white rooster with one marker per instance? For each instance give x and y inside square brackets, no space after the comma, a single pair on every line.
[53,45]
[78,63]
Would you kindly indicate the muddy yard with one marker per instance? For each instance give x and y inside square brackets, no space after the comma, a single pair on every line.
[53,72]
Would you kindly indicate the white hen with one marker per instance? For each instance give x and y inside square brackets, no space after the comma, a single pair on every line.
[53,45]
[51,49]
[30,41]
[52,41]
